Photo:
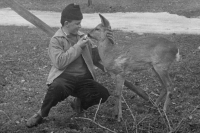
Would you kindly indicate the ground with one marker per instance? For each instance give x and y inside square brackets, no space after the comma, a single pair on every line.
[24,64]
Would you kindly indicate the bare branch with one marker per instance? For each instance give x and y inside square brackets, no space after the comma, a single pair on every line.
[97,109]
[129,108]
[96,123]
[135,128]
[183,119]
[126,126]
[5,114]
[163,116]
[170,128]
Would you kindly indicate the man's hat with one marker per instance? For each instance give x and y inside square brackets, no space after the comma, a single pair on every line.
[71,12]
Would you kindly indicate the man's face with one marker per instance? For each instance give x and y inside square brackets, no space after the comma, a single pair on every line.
[74,26]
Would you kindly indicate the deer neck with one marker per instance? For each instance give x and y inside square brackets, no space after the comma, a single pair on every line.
[104,48]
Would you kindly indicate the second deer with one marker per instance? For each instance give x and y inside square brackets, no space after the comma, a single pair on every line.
[121,59]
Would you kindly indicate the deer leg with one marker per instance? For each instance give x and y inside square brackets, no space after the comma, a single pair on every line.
[166,84]
[169,86]
[118,104]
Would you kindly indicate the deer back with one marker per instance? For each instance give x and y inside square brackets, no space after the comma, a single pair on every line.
[141,52]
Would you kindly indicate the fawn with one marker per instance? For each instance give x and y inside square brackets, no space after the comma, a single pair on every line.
[120,59]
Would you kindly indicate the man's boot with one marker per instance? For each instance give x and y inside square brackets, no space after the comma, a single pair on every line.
[76,106]
[34,120]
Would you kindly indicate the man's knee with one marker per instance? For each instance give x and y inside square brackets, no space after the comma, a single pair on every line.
[57,90]
[103,92]
[55,87]
[104,95]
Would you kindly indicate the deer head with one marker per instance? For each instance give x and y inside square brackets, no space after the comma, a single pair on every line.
[100,31]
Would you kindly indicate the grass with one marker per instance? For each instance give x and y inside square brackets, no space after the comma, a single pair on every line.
[25,64]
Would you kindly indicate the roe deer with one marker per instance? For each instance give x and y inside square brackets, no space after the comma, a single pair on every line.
[120,59]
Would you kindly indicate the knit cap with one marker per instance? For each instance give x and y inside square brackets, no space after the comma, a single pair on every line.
[71,12]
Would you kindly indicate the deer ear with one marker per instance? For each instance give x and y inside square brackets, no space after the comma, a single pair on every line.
[104,21]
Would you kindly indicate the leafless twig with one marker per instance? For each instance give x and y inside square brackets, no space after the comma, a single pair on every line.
[5,114]
[179,124]
[97,109]
[141,121]
[129,109]
[93,121]
[126,126]
[161,114]
[96,123]
[170,128]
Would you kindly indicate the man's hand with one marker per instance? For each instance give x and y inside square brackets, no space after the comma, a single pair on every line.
[82,42]
[110,35]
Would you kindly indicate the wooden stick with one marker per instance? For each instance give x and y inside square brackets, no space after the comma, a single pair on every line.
[29,17]
[97,110]
[96,123]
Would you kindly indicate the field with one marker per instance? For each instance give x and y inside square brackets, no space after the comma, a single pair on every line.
[24,64]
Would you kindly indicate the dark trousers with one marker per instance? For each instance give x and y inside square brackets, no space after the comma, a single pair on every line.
[85,88]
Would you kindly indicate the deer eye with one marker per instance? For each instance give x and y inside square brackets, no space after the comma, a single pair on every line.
[97,29]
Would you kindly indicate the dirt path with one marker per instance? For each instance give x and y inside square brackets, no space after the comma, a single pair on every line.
[164,23]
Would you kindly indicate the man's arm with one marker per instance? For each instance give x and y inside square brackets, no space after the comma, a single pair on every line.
[59,57]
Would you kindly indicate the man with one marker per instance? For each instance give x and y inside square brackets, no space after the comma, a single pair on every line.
[72,71]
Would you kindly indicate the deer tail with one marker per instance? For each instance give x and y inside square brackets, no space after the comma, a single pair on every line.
[178,56]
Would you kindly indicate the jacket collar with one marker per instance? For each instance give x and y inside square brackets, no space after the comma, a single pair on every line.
[60,33]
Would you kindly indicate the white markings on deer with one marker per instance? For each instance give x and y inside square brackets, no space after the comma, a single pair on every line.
[120,60]
[178,56]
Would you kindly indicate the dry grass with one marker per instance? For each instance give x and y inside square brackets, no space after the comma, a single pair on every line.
[25,64]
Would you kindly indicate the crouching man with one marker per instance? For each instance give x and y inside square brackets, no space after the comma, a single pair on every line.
[72,71]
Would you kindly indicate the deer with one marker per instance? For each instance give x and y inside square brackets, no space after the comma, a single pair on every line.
[118,60]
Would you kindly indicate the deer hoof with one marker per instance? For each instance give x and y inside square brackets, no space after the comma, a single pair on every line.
[119,118]
[157,103]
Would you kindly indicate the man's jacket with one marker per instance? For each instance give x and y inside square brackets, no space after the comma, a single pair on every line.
[62,53]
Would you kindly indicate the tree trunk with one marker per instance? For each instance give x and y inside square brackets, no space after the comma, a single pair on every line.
[89,2]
